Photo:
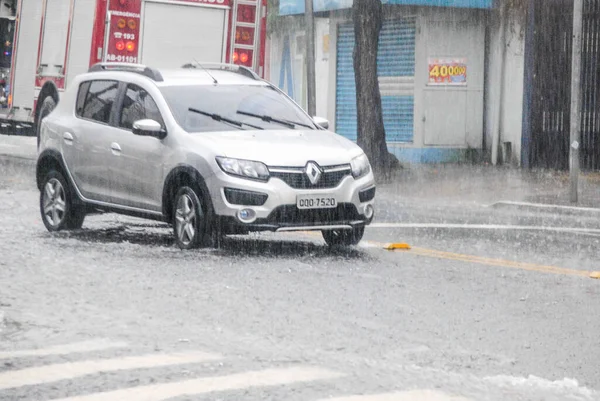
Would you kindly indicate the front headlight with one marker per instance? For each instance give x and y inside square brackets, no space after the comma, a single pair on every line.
[360,166]
[244,168]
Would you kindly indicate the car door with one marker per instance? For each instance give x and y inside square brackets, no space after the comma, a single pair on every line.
[85,145]
[137,168]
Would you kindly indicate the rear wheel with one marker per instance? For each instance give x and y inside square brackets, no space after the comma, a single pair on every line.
[189,219]
[56,204]
[343,237]
[48,104]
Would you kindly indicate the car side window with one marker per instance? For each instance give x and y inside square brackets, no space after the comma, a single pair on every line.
[138,105]
[81,95]
[99,100]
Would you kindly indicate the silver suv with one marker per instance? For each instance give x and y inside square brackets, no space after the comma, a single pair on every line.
[210,148]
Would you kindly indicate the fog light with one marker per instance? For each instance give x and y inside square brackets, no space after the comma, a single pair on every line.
[246,215]
[369,211]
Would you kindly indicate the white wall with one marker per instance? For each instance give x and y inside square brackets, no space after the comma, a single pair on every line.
[509,129]
[322,56]
[450,116]
[297,48]
[275,44]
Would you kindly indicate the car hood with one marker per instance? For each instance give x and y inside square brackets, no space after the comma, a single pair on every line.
[282,147]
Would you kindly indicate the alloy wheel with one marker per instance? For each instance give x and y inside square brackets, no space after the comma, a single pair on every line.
[54,202]
[185,219]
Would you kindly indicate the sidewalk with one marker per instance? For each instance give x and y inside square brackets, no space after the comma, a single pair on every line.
[497,186]
[24,147]
[482,184]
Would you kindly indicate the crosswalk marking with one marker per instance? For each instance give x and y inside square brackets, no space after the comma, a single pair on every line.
[63,371]
[415,395]
[84,346]
[190,387]
[261,378]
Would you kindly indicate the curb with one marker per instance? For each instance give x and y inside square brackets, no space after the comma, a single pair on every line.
[17,161]
[20,157]
[537,207]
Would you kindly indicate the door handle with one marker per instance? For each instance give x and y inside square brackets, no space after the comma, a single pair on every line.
[68,138]
[116,149]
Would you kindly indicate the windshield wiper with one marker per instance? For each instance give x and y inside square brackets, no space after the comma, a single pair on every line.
[287,123]
[218,117]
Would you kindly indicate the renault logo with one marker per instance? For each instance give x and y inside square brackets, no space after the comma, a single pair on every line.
[313,172]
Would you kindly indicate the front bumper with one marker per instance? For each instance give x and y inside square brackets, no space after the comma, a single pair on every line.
[290,218]
[278,212]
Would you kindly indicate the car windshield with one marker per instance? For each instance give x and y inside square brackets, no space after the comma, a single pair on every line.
[253,106]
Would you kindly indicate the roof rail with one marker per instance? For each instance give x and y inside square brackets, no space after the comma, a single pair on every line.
[239,69]
[129,67]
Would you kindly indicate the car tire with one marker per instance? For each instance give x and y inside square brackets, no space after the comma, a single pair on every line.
[57,208]
[190,226]
[337,238]
[46,108]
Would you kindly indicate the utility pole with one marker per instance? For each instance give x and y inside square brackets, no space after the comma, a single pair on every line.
[499,131]
[310,58]
[575,139]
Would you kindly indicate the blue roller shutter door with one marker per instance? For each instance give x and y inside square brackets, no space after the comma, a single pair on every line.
[396,70]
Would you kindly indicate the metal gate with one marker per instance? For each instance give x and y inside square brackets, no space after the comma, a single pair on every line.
[590,123]
[552,83]
[395,69]
[551,86]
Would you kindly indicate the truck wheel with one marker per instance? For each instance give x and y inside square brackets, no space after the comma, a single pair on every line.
[48,104]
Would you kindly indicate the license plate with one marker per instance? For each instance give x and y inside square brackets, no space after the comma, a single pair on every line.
[316,202]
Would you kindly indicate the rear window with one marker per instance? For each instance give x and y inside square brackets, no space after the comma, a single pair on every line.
[81,95]
[227,101]
[95,100]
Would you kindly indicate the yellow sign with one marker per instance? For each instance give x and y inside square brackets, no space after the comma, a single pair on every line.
[326,43]
[447,71]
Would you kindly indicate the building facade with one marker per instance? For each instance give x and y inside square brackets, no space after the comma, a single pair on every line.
[450,76]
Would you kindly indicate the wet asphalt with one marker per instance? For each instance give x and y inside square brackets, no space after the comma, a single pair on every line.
[471,311]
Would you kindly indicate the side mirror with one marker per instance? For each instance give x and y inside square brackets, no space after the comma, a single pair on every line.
[322,122]
[149,127]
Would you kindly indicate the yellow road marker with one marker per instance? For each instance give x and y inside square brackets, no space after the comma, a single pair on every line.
[395,246]
[483,260]
[502,263]
[496,262]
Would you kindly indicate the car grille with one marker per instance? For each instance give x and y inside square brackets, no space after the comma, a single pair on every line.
[297,179]
[290,215]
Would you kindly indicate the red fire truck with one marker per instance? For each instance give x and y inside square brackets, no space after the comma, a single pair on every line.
[55,40]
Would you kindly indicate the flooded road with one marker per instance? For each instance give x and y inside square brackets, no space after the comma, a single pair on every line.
[478,309]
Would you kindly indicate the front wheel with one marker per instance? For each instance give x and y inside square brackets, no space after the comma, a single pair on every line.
[189,220]
[343,237]
[56,204]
